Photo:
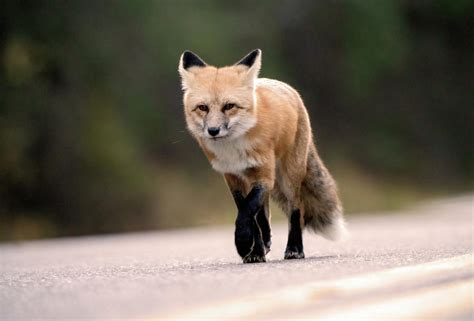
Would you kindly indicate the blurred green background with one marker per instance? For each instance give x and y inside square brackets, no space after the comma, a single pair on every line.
[92,133]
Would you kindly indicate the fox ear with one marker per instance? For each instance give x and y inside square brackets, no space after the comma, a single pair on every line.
[253,61]
[188,59]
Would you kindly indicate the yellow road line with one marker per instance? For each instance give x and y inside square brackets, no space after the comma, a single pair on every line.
[437,303]
[303,296]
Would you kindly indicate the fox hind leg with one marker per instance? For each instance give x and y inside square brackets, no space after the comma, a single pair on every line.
[287,193]
[294,247]
[295,214]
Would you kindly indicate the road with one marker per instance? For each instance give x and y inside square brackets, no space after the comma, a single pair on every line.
[415,263]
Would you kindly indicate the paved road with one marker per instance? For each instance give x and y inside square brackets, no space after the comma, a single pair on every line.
[386,264]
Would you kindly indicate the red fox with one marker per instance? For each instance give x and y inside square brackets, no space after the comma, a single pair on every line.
[257,133]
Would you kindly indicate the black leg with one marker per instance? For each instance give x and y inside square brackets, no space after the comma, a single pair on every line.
[255,199]
[248,236]
[294,247]
[258,251]
[263,221]
[239,199]
[244,239]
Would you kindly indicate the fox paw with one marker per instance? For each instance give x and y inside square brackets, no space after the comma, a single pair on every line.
[254,259]
[293,253]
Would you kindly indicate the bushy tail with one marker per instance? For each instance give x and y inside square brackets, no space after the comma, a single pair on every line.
[323,209]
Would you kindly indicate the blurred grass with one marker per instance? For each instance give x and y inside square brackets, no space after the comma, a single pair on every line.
[92,134]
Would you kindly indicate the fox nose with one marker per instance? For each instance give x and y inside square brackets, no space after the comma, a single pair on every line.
[213,131]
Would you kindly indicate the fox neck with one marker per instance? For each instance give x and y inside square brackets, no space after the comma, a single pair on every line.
[232,156]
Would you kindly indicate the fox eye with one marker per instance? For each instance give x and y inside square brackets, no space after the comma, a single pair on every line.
[228,106]
[203,107]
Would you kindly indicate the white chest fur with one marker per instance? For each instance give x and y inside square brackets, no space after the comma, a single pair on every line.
[232,156]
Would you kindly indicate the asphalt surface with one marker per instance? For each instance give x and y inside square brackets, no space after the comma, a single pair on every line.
[161,274]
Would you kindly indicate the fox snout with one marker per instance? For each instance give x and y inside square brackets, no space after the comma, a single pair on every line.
[216,131]
[213,131]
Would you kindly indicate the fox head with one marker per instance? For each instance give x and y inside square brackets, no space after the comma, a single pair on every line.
[219,103]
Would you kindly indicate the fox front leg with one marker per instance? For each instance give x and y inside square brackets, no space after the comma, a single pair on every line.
[256,206]
[248,235]
[251,204]
[263,221]
[244,240]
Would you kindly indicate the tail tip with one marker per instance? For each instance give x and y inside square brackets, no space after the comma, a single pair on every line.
[336,231]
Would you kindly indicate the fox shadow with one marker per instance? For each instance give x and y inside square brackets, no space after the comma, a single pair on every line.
[232,265]
[280,261]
